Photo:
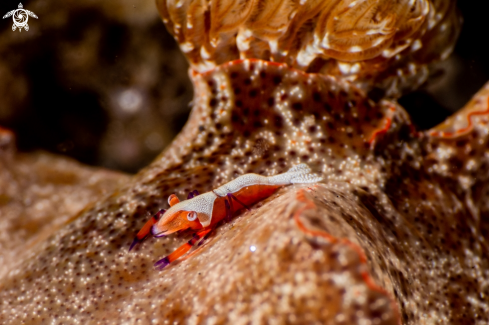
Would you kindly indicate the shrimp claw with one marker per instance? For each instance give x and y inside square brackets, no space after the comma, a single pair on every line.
[144,232]
[164,262]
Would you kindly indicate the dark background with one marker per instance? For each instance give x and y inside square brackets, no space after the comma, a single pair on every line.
[461,76]
[104,83]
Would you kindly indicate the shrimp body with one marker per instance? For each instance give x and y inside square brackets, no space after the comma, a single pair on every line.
[203,212]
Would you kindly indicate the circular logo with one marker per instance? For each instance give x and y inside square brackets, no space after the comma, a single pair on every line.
[20,17]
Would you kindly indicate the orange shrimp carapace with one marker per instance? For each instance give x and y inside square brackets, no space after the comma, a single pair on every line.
[203,212]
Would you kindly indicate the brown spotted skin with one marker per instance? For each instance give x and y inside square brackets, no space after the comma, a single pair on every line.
[408,210]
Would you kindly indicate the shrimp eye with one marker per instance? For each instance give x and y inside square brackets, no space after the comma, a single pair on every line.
[191,216]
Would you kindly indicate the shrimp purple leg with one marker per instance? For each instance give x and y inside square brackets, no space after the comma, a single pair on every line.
[232,197]
[192,194]
[164,262]
[229,209]
[204,239]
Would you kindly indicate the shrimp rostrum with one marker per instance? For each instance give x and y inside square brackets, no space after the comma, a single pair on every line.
[202,212]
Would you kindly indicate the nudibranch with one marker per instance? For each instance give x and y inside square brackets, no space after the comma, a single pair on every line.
[396,234]
[206,210]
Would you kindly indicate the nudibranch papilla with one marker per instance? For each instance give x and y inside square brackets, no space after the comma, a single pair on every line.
[203,212]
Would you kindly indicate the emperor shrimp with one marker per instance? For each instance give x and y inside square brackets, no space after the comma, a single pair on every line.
[203,212]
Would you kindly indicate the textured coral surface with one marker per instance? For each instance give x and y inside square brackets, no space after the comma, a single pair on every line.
[396,233]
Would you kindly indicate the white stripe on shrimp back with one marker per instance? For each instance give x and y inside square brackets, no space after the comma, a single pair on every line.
[203,204]
[296,175]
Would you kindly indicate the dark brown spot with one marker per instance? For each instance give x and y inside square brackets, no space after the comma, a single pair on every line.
[297,106]
[327,107]
[316,96]
[253,93]
[278,121]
